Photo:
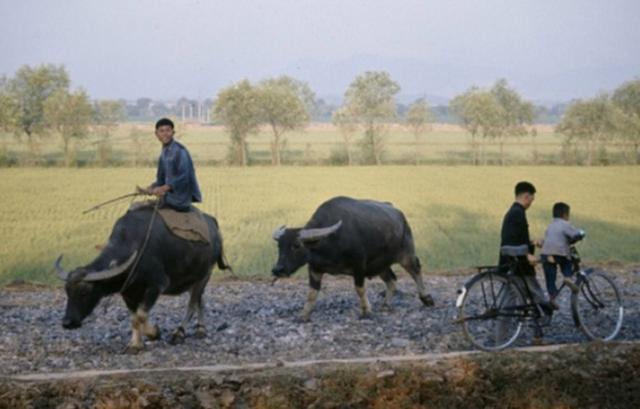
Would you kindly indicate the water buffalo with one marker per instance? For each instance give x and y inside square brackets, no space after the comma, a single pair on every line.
[360,238]
[166,265]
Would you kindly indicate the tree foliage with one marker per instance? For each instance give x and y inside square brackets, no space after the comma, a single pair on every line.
[107,114]
[370,101]
[590,122]
[627,99]
[238,108]
[345,123]
[70,115]
[479,113]
[8,108]
[418,119]
[31,87]
[496,113]
[285,105]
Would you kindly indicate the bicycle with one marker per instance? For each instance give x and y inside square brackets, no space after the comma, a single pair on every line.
[496,302]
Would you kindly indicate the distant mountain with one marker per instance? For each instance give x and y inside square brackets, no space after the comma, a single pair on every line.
[439,82]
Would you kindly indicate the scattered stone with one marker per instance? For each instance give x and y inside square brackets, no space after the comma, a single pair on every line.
[311,384]
[255,322]
[227,398]
[400,342]
[385,374]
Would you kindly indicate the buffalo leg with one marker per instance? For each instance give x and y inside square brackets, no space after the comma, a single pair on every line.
[201,330]
[150,297]
[195,304]
[412,265]
[315,282]
[389,279]
[365,307]
[177,337]
[140,319]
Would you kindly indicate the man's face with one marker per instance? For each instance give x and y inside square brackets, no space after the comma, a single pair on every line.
[164,134]
[527,200]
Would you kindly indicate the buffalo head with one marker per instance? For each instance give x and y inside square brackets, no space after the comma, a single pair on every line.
[84,289]
[294,245]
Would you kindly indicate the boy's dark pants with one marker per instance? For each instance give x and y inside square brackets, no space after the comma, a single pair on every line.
[551,270]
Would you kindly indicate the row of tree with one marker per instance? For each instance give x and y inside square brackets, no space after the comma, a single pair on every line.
[37,102]
[283,104]
[597,121]
[496,114]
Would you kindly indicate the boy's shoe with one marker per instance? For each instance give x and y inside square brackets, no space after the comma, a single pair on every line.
[539,341]
[572,286]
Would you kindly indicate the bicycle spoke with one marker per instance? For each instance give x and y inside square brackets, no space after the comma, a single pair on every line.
[598,307]
[491,312]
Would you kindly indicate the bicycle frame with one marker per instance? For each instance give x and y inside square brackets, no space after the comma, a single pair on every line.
[492,309]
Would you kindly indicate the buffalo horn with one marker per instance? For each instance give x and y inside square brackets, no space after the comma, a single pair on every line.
[317,234]
[62,273]
[277,233]
[112,272]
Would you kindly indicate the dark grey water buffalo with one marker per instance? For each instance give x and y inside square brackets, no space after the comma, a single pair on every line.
[360,238]
[166,265]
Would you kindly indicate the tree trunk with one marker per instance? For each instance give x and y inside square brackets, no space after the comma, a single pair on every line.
[275,146]
[474,150]
[635,147]
[347,146]
[377,149]
[243,152]
[65,147]
[417,156]
[483,155]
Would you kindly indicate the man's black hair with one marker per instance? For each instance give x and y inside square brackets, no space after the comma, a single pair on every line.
[525,187]
[560,209]
[163,122]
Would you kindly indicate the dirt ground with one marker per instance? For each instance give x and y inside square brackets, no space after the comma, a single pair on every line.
[585,376]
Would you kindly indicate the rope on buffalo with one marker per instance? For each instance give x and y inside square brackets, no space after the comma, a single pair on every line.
[132,274]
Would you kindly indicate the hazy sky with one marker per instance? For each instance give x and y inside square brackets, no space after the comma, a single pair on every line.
[549,50]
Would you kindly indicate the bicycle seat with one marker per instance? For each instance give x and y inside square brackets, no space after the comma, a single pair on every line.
[515,251]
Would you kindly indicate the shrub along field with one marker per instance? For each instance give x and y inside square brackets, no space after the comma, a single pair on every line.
[133,144]
[455,212]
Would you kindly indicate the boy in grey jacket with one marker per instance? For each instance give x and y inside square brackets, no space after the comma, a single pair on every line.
[555,249]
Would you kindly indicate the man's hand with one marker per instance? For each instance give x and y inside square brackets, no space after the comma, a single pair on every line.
[533,260]
[160,190]
[538,243]
[143,190]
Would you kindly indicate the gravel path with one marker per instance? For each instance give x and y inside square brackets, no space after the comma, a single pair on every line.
[257,322]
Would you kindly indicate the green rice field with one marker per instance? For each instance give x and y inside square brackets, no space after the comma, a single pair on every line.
[455,212]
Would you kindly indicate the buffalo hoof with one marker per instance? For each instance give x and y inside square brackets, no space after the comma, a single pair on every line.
[387,307]
[303,319]
[177,337]
[366,316]
[201,332]
[133,349]
[396,294]
[427,300]
[155,335]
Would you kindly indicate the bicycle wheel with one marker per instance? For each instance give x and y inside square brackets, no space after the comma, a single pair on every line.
[597,308]
[488,311]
